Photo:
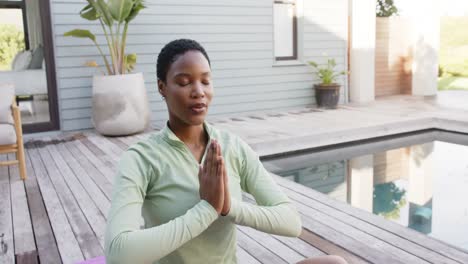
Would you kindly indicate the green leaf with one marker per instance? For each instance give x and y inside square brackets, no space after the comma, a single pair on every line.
[130,61]
[312,63]
[137,7]
[102,9]
[80,33]
[120,9]
[89,13]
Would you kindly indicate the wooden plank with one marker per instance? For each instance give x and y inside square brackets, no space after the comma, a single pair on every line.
[118,142]
[67,244]
[27,258]
[106,147]
[97,151]
[94,217]
[390,238]
[300,246]
[45,241]
[406,233]
[268,241]
[125,141]
[330,248]
[7,249]
[88,242]
[115,145]
[25,247]
[111,149]
[99,198]
[244,257]
[370,253]
[333,242]
[101,181]
[129,140]
[99,162]
[256,250]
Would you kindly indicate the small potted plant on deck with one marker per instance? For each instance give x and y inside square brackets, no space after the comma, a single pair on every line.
[120,104]
[327,93]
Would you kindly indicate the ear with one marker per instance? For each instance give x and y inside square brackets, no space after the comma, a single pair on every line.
[162,88]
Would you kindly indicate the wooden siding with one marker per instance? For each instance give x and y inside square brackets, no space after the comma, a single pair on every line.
[393,56]
[238,37]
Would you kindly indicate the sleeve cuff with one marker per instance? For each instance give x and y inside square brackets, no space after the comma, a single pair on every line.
[206,206]
[233,212]
[200,217]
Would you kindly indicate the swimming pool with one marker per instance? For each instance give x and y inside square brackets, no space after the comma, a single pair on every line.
[417,180]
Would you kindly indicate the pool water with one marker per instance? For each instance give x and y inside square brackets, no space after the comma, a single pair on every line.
[422,186]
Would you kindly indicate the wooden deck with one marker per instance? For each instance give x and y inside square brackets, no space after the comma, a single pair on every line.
[58,214]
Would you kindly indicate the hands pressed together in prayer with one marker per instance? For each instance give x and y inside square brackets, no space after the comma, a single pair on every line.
[214,187]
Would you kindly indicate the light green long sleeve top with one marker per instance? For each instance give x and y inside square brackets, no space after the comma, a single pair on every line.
[158,179]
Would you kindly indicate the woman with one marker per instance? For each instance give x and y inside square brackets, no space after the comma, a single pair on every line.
[186,180]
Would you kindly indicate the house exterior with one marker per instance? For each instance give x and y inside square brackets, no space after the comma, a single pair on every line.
[259,51]
[239,38]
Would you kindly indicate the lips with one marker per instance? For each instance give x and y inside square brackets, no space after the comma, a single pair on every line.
[198,108]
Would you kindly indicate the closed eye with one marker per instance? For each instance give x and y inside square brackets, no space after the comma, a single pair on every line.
[183,83]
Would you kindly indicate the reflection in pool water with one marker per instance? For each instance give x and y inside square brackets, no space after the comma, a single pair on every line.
[423,187]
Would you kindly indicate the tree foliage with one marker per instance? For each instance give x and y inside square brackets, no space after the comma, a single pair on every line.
[386,8]
[11,42]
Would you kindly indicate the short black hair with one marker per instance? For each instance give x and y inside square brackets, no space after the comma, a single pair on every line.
[172,51]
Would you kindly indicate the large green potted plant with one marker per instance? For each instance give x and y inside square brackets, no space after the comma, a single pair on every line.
[120,104]
[327,92]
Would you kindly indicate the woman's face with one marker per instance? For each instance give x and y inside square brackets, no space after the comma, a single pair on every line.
[188,89]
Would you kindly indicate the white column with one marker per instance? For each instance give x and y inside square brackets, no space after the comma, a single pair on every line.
[362,50]
[362,182]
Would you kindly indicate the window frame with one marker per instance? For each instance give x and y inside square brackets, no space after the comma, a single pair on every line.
[294,23]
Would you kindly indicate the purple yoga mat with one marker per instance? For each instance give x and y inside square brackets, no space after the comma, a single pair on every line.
[98,260]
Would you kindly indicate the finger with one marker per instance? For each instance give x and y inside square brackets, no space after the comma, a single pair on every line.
[219,150]
[207,166]
[214,163]
[225,177]
[219,172]
[224,174]
[220,180]
[219,155]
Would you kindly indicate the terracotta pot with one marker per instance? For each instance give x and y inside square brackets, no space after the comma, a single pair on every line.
[327,95]
[120,104]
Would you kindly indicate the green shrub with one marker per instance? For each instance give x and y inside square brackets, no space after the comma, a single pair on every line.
[11,42]
[386,8]
[454,46]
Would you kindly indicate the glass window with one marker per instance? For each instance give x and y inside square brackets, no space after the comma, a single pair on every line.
[22,58]
[285,30]
[11,36]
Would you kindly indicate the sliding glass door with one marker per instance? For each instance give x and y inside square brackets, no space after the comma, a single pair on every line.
[26,61]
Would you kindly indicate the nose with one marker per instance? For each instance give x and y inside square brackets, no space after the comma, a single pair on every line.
[197,90]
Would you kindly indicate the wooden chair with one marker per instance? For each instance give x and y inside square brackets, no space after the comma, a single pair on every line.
[11,133]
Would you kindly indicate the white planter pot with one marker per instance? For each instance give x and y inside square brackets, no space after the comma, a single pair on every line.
[120,104]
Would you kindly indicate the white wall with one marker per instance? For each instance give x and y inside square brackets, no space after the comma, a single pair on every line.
[362,50]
